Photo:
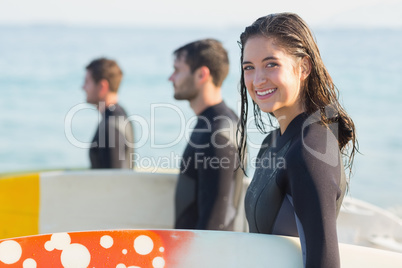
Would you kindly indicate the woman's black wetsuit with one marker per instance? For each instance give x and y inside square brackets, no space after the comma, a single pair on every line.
[297,189]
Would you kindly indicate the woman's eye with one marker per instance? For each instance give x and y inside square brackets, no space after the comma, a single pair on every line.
[246,68]
[271,64]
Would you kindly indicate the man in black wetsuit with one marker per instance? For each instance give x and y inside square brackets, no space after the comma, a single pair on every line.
[112,144]
[209,183]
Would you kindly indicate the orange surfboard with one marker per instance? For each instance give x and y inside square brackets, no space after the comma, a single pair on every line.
[172,248]
[147,248]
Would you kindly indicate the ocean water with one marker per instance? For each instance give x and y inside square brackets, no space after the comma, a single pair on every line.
[45,123]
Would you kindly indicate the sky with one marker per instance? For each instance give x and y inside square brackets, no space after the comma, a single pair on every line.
[200,13]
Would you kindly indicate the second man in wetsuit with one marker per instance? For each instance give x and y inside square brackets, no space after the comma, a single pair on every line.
[209,183]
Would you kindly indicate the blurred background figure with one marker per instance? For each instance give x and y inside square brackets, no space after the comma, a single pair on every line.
[112,143]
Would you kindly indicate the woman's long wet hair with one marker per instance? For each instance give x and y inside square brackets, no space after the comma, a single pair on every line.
[318,91]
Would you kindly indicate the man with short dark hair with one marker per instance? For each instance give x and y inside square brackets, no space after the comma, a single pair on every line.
[209,183]
[112,144]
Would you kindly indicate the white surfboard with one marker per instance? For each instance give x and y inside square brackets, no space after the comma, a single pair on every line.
[61,201]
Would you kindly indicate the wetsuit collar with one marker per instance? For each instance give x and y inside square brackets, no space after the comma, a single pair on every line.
[212,110]
[110,109]
[293,128]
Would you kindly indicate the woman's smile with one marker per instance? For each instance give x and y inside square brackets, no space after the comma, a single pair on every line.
[265,93]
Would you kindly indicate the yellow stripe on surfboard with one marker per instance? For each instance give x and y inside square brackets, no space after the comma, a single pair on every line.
[19,205]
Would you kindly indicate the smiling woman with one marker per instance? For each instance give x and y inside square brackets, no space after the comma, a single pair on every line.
[284,75]
[264,75]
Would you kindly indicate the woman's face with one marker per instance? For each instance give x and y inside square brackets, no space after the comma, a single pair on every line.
[273,78]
